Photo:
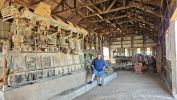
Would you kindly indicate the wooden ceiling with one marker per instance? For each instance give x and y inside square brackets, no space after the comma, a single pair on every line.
[113,17]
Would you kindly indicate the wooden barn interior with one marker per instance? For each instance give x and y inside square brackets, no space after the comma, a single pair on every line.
[47,48]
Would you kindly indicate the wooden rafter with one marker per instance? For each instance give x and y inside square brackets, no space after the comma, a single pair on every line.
[140,20]
[94,5]
[68,5]
[82,14]
[58,5]
[148,23]
[75,3]
[149,29]
[154,38]
[111,5]
[147,10]
[33,2]
[22,2]
[114,18]
[80,7]
[122,8]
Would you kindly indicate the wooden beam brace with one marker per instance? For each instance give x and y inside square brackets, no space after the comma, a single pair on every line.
[34,3]
[21,2]
[98,13]
[80,7]
[62,6]
[59,4]
[75,3]
[71,15]
[82,14]
[122,8]
[111,5]
[60,17]
[113,18]
[124,3]
[94,5]
[135,34]
[68,5]
[148,23]
[152,26]
[146,9]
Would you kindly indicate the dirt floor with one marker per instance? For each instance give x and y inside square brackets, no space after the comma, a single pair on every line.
[129,86]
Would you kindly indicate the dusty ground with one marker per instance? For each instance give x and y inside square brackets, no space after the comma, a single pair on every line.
[129,86]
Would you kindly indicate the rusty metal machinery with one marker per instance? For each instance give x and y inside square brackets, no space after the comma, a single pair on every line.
[39,48]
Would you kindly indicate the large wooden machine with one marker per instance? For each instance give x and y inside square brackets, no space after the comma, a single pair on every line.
[40,47]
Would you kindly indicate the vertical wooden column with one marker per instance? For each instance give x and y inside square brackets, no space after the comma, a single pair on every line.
[121,42]
[96,41]
[159,58]
[90,41]
[110,50]
[102,43]
[144,47]
[99,44]
[132,45]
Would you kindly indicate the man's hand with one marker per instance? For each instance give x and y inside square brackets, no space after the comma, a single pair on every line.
[92,66]
[104,67]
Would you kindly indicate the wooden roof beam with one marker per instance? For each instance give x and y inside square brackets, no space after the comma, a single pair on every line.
[122,8]
[80,7]
[59,4]
[22,2]
[146,9]
[154,38]
[148,23]
[122,22]
[94,5]
[111,5]
[113,18]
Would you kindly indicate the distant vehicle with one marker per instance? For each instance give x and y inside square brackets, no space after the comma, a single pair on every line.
[122,62]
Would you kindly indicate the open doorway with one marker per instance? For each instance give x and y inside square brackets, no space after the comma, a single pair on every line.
[138,59]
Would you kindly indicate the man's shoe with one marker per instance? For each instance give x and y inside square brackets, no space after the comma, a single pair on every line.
[99,84]
[90,82]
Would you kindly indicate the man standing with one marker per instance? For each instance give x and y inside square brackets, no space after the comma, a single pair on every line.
[98,66]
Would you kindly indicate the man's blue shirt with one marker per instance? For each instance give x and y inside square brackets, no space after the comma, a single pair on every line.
[98,64]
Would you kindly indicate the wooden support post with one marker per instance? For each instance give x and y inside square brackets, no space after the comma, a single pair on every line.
[100,44]
[121,40]
[132,41]
[101,47]
[144,41]
[159,58]
[132,45]
[63,6]
[109,46]
[75,3]
[124,3]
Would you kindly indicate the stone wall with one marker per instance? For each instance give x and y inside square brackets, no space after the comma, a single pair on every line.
[28,68]
[45,89]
